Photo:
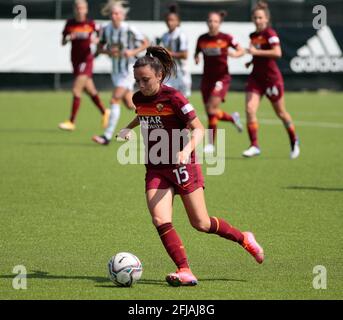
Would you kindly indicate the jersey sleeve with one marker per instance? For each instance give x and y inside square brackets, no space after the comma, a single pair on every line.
[102,35]
[66,30]
[97,27]
[183,42]
[139,36]
[273,38]
[198,48]
[182,108]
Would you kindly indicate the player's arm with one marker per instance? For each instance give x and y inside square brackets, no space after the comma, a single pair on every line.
[125,133]
[196,54]
[198,132]
[274,52]
[67,35]
[239,51]
[182,52]
[133,52]
[102,48]
[179,54]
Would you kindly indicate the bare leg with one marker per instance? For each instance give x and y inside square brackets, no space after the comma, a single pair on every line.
[160,204]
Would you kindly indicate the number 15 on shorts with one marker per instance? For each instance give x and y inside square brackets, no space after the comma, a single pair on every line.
[182,175]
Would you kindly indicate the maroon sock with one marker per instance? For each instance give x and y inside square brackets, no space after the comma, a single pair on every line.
[223,116]
[252,131]
[212,125]
[291,132]
[75,108]
[96,100]
[225,230]
[173,245]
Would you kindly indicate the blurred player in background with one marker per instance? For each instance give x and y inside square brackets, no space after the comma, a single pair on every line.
[215,83]
[81,31]
[266,79]
[160,107]
[122,42]
[175,41]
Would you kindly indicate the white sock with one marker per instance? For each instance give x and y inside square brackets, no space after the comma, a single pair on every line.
[113,121]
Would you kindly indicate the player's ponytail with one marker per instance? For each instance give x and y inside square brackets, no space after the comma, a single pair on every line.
[173,9]
[159,59]
[221,13]
[262,5]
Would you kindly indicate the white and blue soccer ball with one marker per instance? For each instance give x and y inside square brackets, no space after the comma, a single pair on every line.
[124,269]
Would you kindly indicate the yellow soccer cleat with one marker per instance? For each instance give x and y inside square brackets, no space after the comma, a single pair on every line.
[105,118]
[67,125]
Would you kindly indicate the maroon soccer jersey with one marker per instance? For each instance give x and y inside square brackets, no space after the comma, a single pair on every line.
[215,52]
[162,117]
[80,46]
[265,69]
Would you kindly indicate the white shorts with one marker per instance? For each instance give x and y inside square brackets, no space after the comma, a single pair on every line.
[182,82]
[123,80]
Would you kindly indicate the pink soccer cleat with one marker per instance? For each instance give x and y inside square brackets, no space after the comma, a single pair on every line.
[182,277]
[250,244]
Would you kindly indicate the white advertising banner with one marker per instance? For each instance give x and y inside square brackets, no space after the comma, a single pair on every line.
[35,47]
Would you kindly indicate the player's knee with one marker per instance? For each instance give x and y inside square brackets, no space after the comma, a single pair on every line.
[158,221]
[281,114]
[201,225]
[250,110]
[115,100]
[76,92]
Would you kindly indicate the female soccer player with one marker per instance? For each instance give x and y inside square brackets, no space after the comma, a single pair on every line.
[79,31]
[214,46]
[266,79]
[175,41]
[122,42]
[162,110]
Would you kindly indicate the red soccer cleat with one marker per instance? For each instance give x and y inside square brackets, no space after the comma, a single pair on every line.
[182,277]
[250,244]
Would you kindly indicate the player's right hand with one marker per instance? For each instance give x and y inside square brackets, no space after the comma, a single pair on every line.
[124,134]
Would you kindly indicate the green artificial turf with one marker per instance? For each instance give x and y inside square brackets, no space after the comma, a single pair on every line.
[66,206]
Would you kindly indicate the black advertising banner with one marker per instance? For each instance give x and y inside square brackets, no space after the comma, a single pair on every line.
[306,50]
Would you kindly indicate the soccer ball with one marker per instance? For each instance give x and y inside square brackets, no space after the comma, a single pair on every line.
[124,269]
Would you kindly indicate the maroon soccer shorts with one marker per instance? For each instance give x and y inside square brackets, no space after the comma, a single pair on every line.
[273,91]
[83,67]
[183,178]
[217,88]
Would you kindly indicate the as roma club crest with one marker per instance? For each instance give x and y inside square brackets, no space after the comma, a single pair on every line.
[159,107]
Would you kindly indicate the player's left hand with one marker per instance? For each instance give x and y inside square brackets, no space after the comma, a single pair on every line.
[128,53]
[182,157]
[252,50]
[95,40]
[124,134]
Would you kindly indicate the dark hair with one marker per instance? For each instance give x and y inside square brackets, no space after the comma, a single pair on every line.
[159,59]
[262,5]
[173,8]
[222,14]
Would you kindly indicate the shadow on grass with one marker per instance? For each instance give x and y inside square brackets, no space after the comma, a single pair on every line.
[35,274]
[101,281]
[311,188]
